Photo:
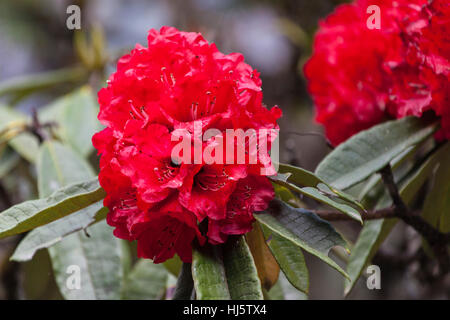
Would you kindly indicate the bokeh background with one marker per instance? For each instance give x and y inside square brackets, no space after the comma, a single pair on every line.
[274,35]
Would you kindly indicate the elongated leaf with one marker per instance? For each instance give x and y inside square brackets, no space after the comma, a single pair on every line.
[208,273]
[375,232]
[240,269]
[436,209]
[35,213]
[24,85]
[290,258]
[300,176]
[286,195]
[97,259]
[267,266]
[303,228]
[146,281]
[26,145]
[76,117]
[316,194]
[52,233]
[58,165]
[305,178]
[370,150]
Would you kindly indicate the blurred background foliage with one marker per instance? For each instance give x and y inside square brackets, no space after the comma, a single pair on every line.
[42,61]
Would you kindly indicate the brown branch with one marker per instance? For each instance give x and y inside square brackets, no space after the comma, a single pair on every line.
[437,240]
[37,128]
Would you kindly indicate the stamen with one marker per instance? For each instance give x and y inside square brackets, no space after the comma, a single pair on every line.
[165,173]
[194,109]
[135,112]
[212,181]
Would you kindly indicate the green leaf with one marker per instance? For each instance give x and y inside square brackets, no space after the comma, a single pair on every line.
[35,213]
[370,150]
[22,86]
[318,195]
[304,229]
[208,273]
[54,232]
[26,145]
[240,269]
[286,195]
[58,166]
[300,176]
[100,256]
[146,281]
[290,259]
[436,209]
[306,178]
[76,116]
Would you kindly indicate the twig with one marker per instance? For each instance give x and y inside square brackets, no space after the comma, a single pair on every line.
[36,128]
[437,240]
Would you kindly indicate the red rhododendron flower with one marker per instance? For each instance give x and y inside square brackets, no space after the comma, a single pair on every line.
[181,82]
[359,76]
[428,43]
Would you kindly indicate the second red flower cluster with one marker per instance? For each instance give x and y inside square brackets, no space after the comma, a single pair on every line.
[360,76]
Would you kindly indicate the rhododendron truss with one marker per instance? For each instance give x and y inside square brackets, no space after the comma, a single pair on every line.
[178,87]
[360,76]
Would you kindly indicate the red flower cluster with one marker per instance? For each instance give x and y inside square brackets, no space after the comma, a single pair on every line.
[178,81]
[359,77]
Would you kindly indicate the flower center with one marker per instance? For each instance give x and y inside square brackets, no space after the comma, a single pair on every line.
[211,181]
[127,203]
[166,172]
